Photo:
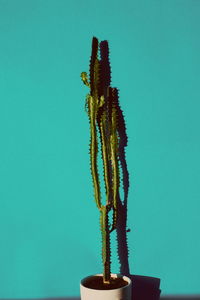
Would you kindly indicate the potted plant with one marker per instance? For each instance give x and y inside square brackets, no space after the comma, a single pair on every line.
[102,108]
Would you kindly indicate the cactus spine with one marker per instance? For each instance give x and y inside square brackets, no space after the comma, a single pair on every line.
[102,113]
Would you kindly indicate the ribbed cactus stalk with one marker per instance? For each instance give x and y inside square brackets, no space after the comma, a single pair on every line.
[103,117]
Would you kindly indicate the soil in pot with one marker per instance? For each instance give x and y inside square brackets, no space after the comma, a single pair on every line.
[96,282]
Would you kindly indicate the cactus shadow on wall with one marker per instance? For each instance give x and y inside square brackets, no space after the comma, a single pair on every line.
[143,287]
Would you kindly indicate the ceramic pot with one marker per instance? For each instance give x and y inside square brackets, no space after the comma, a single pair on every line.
[91,293]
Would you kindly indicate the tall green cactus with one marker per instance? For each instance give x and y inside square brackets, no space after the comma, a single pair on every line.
[103,117]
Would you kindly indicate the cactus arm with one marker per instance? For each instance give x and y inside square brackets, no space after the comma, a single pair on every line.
[91,106]
[114,158]
[94,149]
[105,159]
[93,66]
[115,164]
[94,105]
[84,78]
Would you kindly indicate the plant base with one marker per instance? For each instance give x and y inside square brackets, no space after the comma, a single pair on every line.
[92,287]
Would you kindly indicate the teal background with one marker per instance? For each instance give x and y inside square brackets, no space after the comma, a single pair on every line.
[49,224]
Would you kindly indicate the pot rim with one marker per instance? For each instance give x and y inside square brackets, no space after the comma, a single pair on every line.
[114,275]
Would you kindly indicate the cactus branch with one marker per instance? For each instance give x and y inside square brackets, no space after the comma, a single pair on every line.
[94,149]
[105,159]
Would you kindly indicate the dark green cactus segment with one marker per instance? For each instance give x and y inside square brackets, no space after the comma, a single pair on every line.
[114,220]
[106,252]
[114,138]
[94,67]
[105,69]
[114,158]
[94,149]
[105,156]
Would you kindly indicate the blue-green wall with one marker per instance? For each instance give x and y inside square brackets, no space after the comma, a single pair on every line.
[49,224]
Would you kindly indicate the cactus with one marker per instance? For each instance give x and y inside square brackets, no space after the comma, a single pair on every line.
[102,110]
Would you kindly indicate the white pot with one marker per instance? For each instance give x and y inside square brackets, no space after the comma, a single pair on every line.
[122,293]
